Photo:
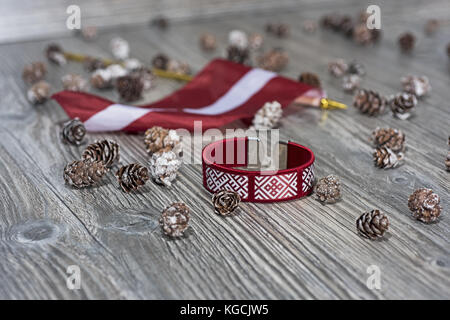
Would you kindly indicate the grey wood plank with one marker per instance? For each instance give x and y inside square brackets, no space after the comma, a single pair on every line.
[292,250]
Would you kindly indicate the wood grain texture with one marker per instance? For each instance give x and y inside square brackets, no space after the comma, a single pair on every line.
[291,250]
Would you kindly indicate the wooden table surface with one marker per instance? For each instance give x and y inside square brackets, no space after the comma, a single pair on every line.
[292,250]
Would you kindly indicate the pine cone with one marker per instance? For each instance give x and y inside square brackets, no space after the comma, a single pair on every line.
[256,41]
[161,22]
[129,87]
[373,224]
[119,48]
[39,92]
[179,67]
[55,54]
[73,132]
[310,78]
[424,205]
[281,30]
[74,82]
[268,117]
[351,82]
[132,176]
[346,25]
[174,219]
[145,75]
[385,158]
[362,35]
[225,202]
[273,60]
[80,174]
[406,42]
[402,105]
[34,72]
[160,61]
[208,42]
[331,21]
[237,55]
[101,79]
[356,68]
[393,139]
[238,38]
[158,139]
[106,151]
[337,67]
[164,167]
[419,86]
[328,189]
[91,64]
[369,102]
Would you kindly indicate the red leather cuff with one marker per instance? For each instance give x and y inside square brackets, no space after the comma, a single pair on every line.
[221,159]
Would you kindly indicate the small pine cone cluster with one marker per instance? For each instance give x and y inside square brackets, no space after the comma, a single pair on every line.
[393,139]
[338,67]
[160,61]
[119,48]
[268,117]
[73,132]
[425,205]
[106,151]
[256,41]
[385,158]
[34,72]
[238,55]
[74,82]
[310,78]
[280,30]
[132,176]
[406,41]
[164,167]
[129,87]
[39,92]
[328,189]
[369,102]
[225,202]
[84,173]
[208,42]
[238,39]
[55,54]
[403,104]
[174,220]
[372,225]
[417,85]
[158,139]
[351,82]
[91,64]
[273,60]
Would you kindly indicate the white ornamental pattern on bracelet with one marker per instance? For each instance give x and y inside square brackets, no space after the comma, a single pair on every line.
[276,187]
[307,178]
[217,180]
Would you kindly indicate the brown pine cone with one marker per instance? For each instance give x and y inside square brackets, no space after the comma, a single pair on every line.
[237,54]
[417,85]
[55,54]
[346,25]
[174,219]
[362,35]
[369,102]
[402,105]
[310,78]
[91,64]
[39,92]
[273,60]
[80,174]
[331,21]
[393,139]
[145,75]
[328,189]
[225,202]
[34,72]
[281,30]
[424,205]
[101,79]
[106,151]
[208,42]
[385,158]
[256,41]
[164,167]
[158,139]
[179,67]
[356,68]
[351,82]
[373,224]
[132,176]
[406,41]
[74,82]
[160,61]
[161,22]
[73,132]
[129,87]
[337,67]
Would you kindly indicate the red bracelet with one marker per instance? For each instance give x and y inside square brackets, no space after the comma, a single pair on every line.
[222,159]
